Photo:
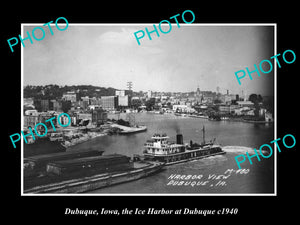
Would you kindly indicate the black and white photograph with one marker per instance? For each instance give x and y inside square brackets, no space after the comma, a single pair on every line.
[114,114]
[149,114]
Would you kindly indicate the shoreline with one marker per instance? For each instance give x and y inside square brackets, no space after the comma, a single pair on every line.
[231,119]
[82,140]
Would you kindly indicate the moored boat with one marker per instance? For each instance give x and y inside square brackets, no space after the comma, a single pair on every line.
[136,129]
[129,130]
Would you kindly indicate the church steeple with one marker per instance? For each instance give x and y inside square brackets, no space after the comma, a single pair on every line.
[198,92]
[198,95]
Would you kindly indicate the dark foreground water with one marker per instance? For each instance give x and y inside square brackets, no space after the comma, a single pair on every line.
[201,176]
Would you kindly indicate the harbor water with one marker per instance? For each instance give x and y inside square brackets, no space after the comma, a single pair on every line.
[214,174]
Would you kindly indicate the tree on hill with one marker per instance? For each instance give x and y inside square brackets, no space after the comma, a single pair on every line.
[66,106]
[256,99]
[150,104]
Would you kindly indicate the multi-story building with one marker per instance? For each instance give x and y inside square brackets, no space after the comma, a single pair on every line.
[31,121]
[245,103]
[45,105]
[123,98]
[227,109]
[57,105]
[120,93]
[86,99]
[95,101]
[69,96]
[149,94]
[64,120]
[85,102]
[109,102]
[227,99]
[183,108]
[123,101]
[99,116]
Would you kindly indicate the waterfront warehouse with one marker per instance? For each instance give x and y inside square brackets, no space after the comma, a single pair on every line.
[105,163]
[39,162]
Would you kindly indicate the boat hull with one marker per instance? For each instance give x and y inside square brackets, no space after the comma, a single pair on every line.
[186,156]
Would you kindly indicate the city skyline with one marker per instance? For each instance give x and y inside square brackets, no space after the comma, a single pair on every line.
[242,93]
[191,56]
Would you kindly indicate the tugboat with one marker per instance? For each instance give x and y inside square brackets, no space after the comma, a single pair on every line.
[160,149]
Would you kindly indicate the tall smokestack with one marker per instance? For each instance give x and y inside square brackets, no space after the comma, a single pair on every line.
[179,139]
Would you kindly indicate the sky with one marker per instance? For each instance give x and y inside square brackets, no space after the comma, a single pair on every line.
[108,55]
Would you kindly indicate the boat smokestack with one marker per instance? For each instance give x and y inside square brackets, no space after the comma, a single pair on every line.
[179,139]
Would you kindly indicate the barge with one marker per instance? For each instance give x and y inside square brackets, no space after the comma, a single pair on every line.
[129,130]
[132,130]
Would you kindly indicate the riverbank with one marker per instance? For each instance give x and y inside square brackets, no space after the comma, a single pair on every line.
[80,138]
[225,118]
[250,121]
[246,135]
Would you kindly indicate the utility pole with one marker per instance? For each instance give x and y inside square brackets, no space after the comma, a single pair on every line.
[203,132]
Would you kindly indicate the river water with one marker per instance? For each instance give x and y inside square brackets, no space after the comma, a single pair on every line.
[235,137]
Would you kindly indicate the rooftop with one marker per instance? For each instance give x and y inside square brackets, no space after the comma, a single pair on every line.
[160,136]
[245,103]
